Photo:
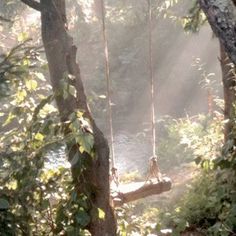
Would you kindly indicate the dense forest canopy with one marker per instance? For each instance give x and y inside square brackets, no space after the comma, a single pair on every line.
[117,117]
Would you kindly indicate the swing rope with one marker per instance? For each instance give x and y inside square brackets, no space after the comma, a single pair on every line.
[108,85]
[143,190]
[151,76]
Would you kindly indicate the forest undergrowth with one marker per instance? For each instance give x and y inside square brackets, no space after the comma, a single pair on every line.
[202,199]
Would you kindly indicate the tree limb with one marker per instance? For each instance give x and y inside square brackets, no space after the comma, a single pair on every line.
[221,16]
[134,191]
[33,4]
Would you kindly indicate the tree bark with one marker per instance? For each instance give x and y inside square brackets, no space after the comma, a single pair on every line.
[228,78]
[221,16]
[61,56]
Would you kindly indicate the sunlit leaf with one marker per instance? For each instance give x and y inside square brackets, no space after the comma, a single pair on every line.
[102,96]
[39,137]
[22,36]
[31,85]
[72,90]
[81,149]
[101,214]
[26,62]
[12,185]
[40,76]
[21,95]
[9,119]
[46,110]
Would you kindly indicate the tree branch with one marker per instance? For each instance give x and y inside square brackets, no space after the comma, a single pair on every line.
[33,4]
[221,17]
[134,191]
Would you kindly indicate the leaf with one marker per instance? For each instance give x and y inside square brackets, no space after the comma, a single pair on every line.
[79,114]
[39,137]
[81,149]
[45,204]
[22,36]
[75,159]
[82,218]
[12,185]
[31,85]
[9,119]
[26,62]
[86,141]
[72,91]
[102,96]
[101,214]
[21,95]
[46,110]
[65,94]
[4,204]
[40,106]
[40,76]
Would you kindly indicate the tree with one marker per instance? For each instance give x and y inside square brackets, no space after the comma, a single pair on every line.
[228,78]
[92,178]
[221,17]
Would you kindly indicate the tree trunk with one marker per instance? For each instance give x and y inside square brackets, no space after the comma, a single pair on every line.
[228,78]
[61,56]
[221,15]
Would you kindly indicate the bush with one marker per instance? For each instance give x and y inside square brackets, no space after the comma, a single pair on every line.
[184,140]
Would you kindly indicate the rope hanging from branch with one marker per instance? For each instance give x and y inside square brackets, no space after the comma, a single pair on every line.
[108,85]
[142,189]
[151,78]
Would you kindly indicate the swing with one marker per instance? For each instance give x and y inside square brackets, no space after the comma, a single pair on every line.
[154,183]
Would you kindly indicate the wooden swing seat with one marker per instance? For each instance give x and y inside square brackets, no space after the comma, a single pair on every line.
[137,190]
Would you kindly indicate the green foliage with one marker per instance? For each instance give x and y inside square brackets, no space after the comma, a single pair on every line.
[35,199]
[210,203]
[129,223]
[192,138]
[23,143]
[14,66]
[195,18]
[196,138]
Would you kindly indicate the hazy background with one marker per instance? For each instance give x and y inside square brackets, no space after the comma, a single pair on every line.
[178,91]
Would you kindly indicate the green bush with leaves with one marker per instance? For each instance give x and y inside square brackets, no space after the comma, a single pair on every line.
[209,206]
[196,138]
[37,197]
[192,138]
[26,119]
